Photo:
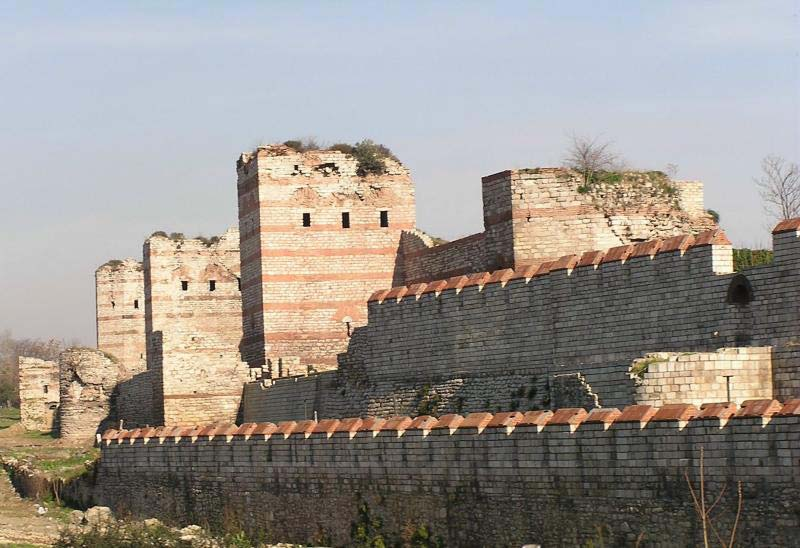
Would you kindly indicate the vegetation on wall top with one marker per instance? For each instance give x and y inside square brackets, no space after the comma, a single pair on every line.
[371,156]
[748,258]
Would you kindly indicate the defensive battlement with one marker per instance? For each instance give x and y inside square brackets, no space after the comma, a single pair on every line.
[677,245]
[576,419]
[277,161]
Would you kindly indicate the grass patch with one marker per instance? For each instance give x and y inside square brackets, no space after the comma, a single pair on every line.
[9,416]
[639,368]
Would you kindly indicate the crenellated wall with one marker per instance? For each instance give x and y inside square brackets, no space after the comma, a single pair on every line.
[496,340]
[509,479]
[119,287]
[193,323]
[304,288]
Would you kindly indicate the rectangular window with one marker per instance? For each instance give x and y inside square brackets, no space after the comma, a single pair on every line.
[212,285]
[136,303]
[384,219]
[345,219]
[45,388]
[306,219]
[239,284]
[184,285]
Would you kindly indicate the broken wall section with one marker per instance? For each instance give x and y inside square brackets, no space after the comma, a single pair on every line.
[87,381]
[38,393]
[729,374]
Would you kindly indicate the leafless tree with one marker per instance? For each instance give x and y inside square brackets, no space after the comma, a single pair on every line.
[779,186]
[588,155]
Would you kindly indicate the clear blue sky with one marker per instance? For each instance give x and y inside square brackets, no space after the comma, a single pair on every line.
[119,119]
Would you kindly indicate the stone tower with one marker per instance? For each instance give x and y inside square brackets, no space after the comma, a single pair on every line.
[120,314]
[317,238]
[193,325]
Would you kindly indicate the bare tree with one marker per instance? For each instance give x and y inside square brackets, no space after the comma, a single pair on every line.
[779,186]
[588,155]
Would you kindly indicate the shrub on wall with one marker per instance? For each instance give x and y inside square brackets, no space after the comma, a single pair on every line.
[748,258]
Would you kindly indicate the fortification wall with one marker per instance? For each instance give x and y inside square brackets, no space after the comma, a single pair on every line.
[38,393]
[421,262]
[87,380]
[119,287]
[729,374]
[305,287]
[493,480]
[591,315]
[193,322]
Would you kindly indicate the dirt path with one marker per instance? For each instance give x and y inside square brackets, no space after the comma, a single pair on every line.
[19,521]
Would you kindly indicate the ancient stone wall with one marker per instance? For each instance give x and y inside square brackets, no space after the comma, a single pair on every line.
[193,323]
[513,331]
[87,381]
[729,374]
[38,393]
[556,479]
[119,289]
[316,239]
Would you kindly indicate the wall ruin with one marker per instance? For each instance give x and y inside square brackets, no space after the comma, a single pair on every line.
[87,381]
[729,374]
[38,393]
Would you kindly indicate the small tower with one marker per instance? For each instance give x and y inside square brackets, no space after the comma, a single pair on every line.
[119,289]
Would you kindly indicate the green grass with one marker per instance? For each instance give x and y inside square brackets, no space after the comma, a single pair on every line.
[8,417]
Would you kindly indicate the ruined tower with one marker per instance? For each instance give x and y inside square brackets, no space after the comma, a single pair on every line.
[318,235]
[120,314]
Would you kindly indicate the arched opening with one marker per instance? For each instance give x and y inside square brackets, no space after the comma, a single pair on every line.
[740,292]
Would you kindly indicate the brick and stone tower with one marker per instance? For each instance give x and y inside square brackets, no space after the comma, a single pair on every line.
[539,214]
[120,314]
[38,393]
[193,327]
[317,239]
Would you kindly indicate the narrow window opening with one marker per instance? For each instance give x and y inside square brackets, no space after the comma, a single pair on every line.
[135,303]
[345,219]
[306,219]
[212,285]
[239,283]
[384,219]
[348,328]
[184,285]
[113,304]
[45,387]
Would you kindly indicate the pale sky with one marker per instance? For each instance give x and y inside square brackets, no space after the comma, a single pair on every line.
[119,119]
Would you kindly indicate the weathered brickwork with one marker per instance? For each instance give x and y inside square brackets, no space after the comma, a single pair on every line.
[133,401]
[591,314]
[421,260]
[729,374]
[38,393]
[304,288]
[485,480]
[87,380]
[532,215]
[193,324]
[120,314]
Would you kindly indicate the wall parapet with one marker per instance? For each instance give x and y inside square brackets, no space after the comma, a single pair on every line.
[595,259]
[474,423]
